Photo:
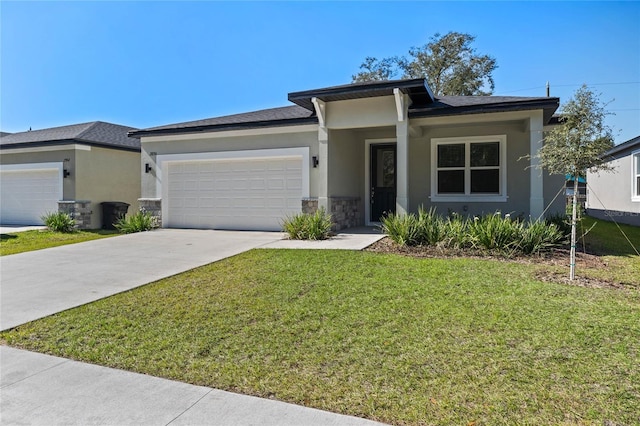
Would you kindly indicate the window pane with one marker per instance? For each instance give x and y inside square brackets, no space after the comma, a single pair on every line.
[637,158]
[485,181]
[485,154]
[451,155]
[638,186]
[451,182]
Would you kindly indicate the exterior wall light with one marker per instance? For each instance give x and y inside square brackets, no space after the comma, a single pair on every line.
[66,173]
[314,161]
[147,168]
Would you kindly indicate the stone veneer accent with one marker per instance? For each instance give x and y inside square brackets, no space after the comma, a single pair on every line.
[345,211]
[153,206]
[79,210]
[309,205]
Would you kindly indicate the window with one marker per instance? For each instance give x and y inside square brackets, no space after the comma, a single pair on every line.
[469,169]
[635,169]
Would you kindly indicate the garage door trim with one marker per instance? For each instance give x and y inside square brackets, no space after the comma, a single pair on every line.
[57,167]
[240,155]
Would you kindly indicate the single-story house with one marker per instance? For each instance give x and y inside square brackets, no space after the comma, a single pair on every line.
[358,151]
[616,195]
[71,169]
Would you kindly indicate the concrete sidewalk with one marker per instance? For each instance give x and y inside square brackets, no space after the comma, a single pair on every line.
[39,389]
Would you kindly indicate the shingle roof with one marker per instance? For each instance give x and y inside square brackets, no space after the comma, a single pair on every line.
[417,89]
[282,116]
[631,143]
[93,133]
[424,105]
[4,134]
[455,105]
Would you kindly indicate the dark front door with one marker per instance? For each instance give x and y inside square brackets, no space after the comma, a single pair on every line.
[383,180]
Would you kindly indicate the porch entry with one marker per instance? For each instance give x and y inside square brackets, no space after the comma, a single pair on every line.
[383,180]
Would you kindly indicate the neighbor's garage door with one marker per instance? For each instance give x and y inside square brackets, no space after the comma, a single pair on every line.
[27,194]
[244,194]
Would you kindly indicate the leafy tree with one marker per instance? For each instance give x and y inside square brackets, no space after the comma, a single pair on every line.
[576,145]
[448,62]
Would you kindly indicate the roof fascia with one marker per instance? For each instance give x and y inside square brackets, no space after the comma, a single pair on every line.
[65,142]
[548,107]
[305,128]
[225,127]
[409,87]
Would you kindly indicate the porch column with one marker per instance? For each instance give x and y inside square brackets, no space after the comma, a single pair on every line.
[536,187]
[323,168]
[402,153]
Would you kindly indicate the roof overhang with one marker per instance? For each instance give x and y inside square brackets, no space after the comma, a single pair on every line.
[224,127]
[417,89]
[37,144]
[548,106]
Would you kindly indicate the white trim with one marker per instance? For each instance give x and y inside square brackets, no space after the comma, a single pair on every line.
[59,166]
[281,130]
[320,107]
[635,173]
[469,198]
[7,150]
[367,175]
[399,103]
[302,152]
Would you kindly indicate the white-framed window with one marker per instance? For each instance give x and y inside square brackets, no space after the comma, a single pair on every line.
[635,176]
[469,169]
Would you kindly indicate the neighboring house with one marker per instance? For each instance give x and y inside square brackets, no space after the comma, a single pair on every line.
[70,168]
[616,195]
[359,151]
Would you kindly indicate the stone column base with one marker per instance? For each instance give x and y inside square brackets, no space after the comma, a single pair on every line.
[153,206]
[79,210]
[345,211]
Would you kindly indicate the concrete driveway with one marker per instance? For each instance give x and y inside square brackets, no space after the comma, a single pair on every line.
[40,283]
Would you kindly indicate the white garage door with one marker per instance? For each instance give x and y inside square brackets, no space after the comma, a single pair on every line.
[27,194]
[244,194]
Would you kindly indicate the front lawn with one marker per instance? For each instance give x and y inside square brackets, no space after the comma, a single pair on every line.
[19,242]
[391,338]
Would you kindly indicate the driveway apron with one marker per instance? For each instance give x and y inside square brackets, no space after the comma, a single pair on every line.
[40,283]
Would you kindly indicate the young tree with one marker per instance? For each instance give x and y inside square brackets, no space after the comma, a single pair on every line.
[448,62]
[576,145]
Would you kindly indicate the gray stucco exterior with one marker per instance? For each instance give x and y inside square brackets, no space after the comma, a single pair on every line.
[340,136]
[614,195]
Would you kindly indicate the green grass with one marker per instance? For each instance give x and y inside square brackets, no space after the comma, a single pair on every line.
[20,242]
[390,338]
[619,254]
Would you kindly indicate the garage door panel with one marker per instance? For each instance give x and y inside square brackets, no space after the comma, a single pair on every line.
[28,194]
[252,194]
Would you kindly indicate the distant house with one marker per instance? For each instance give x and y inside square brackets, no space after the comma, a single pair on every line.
[359,151]
[616,195]
[70,168]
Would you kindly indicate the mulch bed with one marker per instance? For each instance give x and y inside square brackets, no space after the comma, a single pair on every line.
[556,257]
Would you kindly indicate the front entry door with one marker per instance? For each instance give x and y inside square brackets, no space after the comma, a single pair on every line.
[383,180]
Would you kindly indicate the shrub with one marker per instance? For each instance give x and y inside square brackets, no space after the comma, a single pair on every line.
[539,236]
[139,222]
[305,226]
[457,232]
[493,232]
[59,222]
[431,228]
[562,222]
[402,229]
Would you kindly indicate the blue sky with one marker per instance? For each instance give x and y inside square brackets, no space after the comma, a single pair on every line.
[151,63]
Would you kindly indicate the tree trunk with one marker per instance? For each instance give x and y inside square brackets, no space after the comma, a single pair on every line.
[572,260]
